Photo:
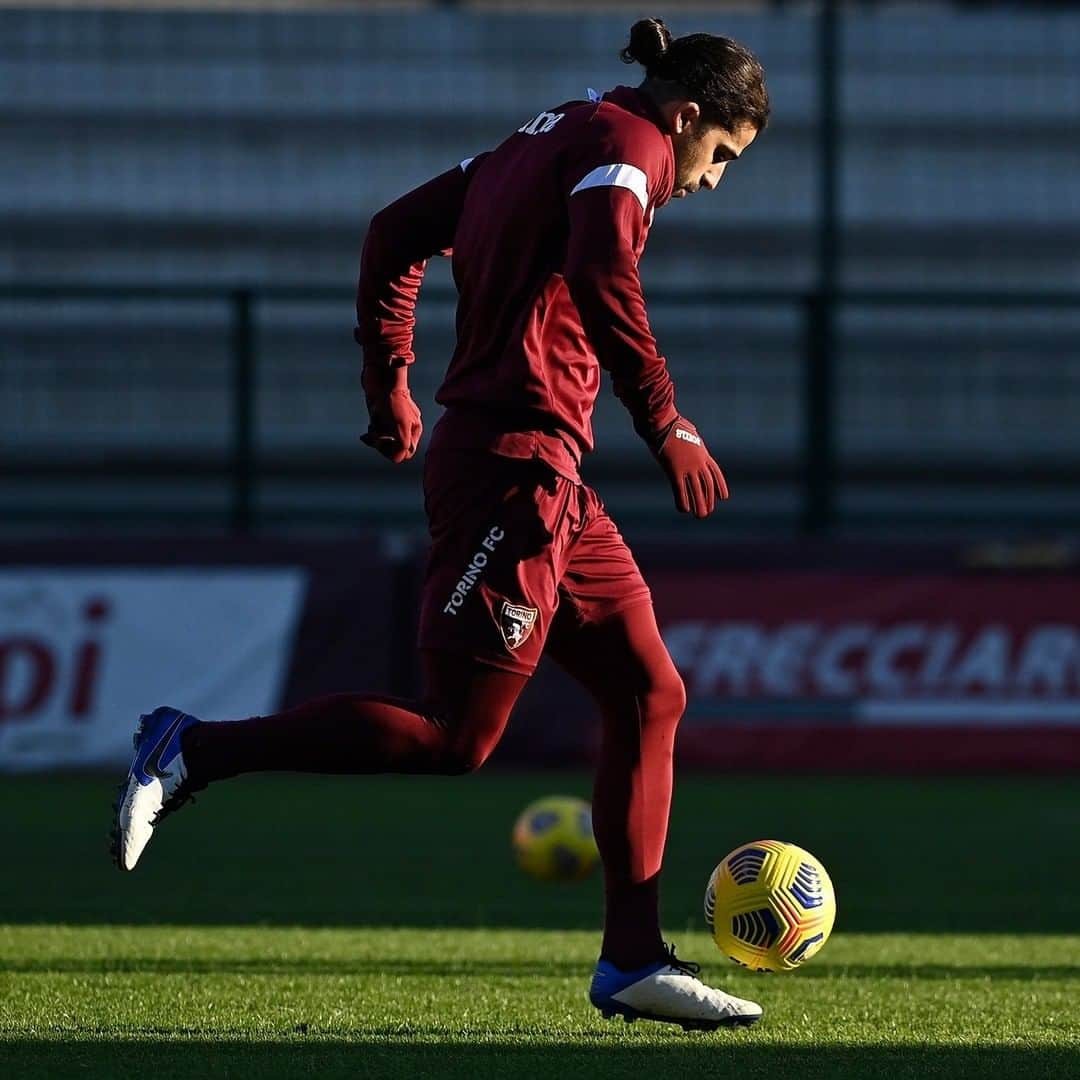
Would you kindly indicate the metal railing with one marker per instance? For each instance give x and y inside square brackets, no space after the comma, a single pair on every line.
[817,473]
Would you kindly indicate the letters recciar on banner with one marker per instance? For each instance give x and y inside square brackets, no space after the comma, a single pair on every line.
[922,650]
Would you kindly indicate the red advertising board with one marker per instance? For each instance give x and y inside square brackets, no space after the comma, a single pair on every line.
[868,670]
[917,668]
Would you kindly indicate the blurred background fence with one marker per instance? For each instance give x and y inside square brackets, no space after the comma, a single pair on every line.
[876,318]
[876,321]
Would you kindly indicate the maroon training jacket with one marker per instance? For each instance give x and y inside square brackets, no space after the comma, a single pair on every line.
[545,232]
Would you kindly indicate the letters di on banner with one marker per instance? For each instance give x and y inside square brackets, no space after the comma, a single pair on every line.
[833,648]
[84,651]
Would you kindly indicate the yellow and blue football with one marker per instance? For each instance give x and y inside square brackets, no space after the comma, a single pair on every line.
[553,839]
[770,905]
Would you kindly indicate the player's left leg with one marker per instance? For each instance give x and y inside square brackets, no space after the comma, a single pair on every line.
[499,530]
[451,730]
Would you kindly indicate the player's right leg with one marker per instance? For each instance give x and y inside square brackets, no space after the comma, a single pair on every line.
[621,660]
[452,730]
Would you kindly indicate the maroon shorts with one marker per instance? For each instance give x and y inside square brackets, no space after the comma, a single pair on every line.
[511,542]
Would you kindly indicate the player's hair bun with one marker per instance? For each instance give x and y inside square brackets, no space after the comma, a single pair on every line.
[649,40]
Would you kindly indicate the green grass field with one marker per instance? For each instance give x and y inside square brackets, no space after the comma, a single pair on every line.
[377,927]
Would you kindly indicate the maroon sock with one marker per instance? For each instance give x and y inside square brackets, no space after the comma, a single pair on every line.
[452,730]
[632,936]
[631,803]
[625,666]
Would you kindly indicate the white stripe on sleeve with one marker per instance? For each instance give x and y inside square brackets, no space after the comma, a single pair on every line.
[622,175]
[465,164]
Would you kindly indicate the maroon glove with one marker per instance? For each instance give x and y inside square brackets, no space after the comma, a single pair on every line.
[394,426]
[696,480]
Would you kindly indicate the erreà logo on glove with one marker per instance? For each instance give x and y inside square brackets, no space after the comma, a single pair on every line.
[516,624]
[687,436]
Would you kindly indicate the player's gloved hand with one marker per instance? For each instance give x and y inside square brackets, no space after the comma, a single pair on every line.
[394,425]
[696,480]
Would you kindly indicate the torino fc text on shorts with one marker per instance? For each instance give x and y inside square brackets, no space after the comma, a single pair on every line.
[511,542]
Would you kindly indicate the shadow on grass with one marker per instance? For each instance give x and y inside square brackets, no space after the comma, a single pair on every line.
[155,965]
[725,1053]
[349,852]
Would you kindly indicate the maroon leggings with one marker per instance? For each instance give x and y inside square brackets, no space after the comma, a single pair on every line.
[623,664]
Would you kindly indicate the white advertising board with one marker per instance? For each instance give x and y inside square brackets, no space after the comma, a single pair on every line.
[84,651]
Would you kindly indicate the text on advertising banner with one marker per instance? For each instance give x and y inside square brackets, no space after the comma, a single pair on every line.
[84,651]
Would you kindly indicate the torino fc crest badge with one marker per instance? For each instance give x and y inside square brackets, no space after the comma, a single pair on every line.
[516,624]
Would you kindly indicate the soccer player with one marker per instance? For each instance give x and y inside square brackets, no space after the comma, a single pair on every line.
[545,232]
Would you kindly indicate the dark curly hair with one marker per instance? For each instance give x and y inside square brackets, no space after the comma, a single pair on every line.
[722,76]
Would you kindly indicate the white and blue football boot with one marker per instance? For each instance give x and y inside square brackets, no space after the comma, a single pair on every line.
[156,784]
[669,991]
